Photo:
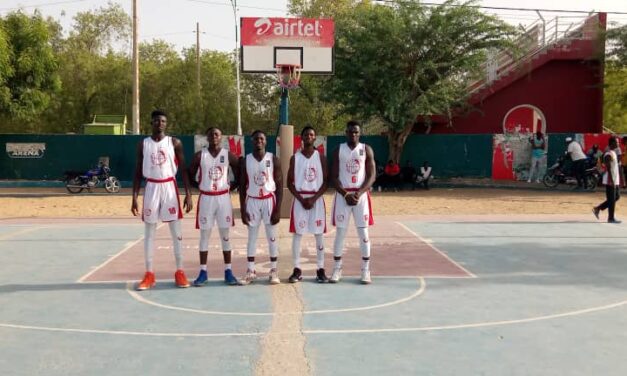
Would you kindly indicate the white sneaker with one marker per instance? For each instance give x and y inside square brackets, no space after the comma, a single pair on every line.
[537,180]
[529,181]
[274,277]
[365,277]
[250,276]
[336,276]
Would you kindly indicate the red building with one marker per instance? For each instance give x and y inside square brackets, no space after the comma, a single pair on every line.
[557,86]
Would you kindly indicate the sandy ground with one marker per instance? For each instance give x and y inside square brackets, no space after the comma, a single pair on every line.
[54,203]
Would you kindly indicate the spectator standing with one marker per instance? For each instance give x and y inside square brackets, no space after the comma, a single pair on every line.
[538,148]
[576,154]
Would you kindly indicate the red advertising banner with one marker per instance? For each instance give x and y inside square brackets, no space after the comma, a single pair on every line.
[310,32]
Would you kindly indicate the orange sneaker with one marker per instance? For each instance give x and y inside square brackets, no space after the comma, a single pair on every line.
[180,280]
[148,282]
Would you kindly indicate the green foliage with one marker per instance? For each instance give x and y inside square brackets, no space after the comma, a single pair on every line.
[399,61]
[28,68]
[615,98]
[617,43]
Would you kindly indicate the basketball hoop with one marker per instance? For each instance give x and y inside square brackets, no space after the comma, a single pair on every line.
[288,75]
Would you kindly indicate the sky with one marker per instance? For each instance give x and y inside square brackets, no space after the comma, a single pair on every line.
[174,21]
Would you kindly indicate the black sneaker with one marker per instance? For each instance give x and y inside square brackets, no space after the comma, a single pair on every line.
[296,276]
[321,277]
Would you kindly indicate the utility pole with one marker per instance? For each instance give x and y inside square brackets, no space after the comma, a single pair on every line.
[135,114]
[239,107]
[198,59]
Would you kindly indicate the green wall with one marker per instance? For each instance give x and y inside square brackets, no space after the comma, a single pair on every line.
[449,155]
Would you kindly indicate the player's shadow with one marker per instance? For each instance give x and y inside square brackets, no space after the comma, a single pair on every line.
[10,288]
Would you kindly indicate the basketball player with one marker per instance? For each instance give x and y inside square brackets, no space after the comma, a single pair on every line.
[353,173]
[260,195]
[158,158]
[307,180]
[211,167]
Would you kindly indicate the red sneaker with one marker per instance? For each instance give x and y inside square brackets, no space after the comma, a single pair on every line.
[180,280]
[148,282]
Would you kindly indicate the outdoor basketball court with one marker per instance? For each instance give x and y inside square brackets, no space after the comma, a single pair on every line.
[492,295]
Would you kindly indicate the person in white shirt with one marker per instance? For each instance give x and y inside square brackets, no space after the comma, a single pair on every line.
[352,174]
[611,179]
[260,195]
[158,159]
[307,180]
[579,161]
[425,175]
[210,167]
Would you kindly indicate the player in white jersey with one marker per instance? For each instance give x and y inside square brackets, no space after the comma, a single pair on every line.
[210,166]
[307,180]
[352,174]
[260,195]
[158,159]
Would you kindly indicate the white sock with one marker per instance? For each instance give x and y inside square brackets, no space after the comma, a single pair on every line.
[149,244]
[225,239]
[365,264]
[296,239]
[203,267]
[251,265]
[338,244]
[251,247]
[177,240]
[319,251]
[227,266]
[338,263]
[273,242]
[273,264]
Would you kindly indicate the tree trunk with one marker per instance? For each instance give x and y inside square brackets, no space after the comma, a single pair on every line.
[396,141]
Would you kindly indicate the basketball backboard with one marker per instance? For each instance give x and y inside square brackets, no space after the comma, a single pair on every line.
[307,42]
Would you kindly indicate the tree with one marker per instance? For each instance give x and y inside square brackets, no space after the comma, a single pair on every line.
[28,68]
[615,93]
[401,60]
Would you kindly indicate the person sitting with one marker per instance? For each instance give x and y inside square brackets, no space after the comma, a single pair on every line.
[425,175]
[408,174]
[392,174]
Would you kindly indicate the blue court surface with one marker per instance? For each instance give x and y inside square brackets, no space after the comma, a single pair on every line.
[451,295]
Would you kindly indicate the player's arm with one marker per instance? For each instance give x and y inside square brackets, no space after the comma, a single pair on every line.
[243,185]
[234,164]
[325,183]
[291,184]
[193,167]
[278,181]
[138,176]
[607,160]
[180,157]
[370,173]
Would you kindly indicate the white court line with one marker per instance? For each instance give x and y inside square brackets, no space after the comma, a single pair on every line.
[325,331]
[468,326]
[436,249]
[128,246]
[421,289]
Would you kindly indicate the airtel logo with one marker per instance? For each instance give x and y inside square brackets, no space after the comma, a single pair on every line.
[289,27]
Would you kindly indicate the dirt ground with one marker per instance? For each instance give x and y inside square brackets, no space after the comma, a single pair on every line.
[40,202]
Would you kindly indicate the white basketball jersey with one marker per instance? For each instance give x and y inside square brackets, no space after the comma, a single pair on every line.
[260,176]
[159,159]
[214,172]
[307,172]
[352,165]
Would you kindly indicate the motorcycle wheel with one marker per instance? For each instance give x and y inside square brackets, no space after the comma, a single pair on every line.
[550,181]
[73,185]
[112,184]
[591,183]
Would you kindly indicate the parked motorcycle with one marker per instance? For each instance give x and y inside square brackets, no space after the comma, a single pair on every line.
[556,174]
[77,181]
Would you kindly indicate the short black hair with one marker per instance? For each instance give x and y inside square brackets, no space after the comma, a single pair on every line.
[213,127]
[352,123]
[258,131]
[156,113]
[307,127]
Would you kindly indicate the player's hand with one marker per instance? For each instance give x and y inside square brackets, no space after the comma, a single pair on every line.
[134,209]
[352,200]
[188,205]
[307,203]
[275,217]
[245,217]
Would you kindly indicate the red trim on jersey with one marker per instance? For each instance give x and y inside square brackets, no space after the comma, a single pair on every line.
[160,180]
[292,224]
[269,195]
[197,211]
[370,220]
[334,205]
[213,193]
[325,216]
